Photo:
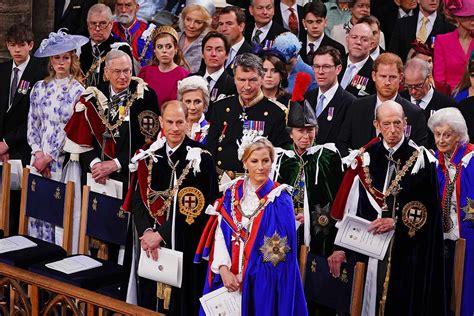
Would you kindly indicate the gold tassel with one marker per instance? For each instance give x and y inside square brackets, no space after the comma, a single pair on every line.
[163,292]
[385,288]
[167,295]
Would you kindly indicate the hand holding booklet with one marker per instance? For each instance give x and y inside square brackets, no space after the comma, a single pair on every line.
[353,234]
[168,269]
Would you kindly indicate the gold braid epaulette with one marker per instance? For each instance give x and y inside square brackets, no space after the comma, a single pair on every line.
[398,177]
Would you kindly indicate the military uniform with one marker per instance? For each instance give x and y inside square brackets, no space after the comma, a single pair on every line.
[152,207]
[228,120]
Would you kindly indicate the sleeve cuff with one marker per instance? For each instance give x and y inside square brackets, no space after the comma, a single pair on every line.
[93,162]
[6,143]
[117,162]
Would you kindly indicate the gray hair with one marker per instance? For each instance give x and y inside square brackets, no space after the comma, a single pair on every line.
[389,104]
[249,62]
[454,119]
[114,54]
[100,8]
[194,83]
[418,65]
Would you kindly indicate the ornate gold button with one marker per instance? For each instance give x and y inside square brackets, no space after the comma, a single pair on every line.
[219,148]
[219,162]
[227,110]
[265,113]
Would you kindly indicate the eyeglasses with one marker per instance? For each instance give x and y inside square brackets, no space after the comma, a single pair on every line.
[118,72]
[324,68]
[101,25]
[416,86]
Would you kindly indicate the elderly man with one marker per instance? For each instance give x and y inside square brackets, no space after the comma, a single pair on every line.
[263,29]
[392,183]
[231,23]
[248,111]
[111,121]
[137,33]
[175,167]
[99,24]
[357,129]
[355,75]
[420,91]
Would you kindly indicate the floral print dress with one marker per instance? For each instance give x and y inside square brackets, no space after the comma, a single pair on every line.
[51,107]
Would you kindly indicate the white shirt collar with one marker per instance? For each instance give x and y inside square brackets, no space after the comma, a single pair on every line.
[216,75]
[237,45]
[358,65]
[380,101]
[284,7]
[265,29]
[329,94]
[21,66]
[402,13]
[375,53]
[316,43]
[425,100]
[395,148]
[431,17]
[169,150]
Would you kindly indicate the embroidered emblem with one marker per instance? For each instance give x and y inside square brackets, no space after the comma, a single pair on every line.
[274,249]
[469,210]
[94,204]
[121,214]
[191,203]
[343,277]
[320,219]
[33,185]
[313,266]
[149,123]
[57,194]
[414,216]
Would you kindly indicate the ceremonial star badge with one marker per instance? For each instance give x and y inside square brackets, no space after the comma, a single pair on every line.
[274,249]
[243,117]
[469,210]
[320,220]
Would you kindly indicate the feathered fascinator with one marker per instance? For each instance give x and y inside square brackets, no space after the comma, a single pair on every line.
[460,7]
[248,138]
[59,43]
[288,45]
[263,51]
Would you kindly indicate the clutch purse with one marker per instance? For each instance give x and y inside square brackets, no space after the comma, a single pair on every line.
[168,269]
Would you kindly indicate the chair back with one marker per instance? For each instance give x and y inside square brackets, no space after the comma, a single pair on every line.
[101,218]
[459,256]
[5,170]
[343,294]
[47,200]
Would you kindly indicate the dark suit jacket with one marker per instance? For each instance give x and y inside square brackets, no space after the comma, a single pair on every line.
[13,122]
[245,48]
[438,101]
[277,18]
[358,128]
[329,127]
[224,87]
[87,59]
[275,30]
[404,33]
[75,16]
[387,13]
[365,71]
[327,41]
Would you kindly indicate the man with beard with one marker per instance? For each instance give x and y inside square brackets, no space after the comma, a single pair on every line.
[174,168]
[137,33]
[99,24]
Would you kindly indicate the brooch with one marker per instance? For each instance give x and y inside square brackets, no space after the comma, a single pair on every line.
[274,249]
[191,203]
[414,215]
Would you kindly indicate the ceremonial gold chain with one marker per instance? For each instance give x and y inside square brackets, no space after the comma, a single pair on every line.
[394,182]
[102,115]
[94,66]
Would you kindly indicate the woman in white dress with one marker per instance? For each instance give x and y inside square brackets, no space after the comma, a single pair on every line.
[52,103]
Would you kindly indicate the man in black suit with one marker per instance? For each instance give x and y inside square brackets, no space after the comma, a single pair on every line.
[18,76]
[214,52]
[329,101]
[417,76]
[357,128]
[389,12]
[423,26]
[263,29]
[314,21]
[356,74]
[231,23]
[287,11]
[99,24]
[72,14]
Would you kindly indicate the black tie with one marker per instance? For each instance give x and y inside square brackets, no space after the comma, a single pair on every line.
[14,84]
[310,54]
[256,37]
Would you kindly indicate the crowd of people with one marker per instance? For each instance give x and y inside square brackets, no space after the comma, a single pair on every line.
[242,132]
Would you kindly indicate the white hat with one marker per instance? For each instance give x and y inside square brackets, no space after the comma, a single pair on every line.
[206,4]
[221,3]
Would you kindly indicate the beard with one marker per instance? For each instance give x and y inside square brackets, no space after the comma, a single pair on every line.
[124,18]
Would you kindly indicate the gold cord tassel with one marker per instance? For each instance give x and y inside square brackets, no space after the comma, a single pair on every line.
[383,300]
[163,292]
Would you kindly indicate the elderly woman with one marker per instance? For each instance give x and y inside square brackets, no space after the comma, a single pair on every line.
[194,23]
[52,103]
[456,187]
[194,93]
[315,173]
[255,239]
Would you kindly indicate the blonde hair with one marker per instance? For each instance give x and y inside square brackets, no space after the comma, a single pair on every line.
[205,16]
[261,143]
[75,69]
